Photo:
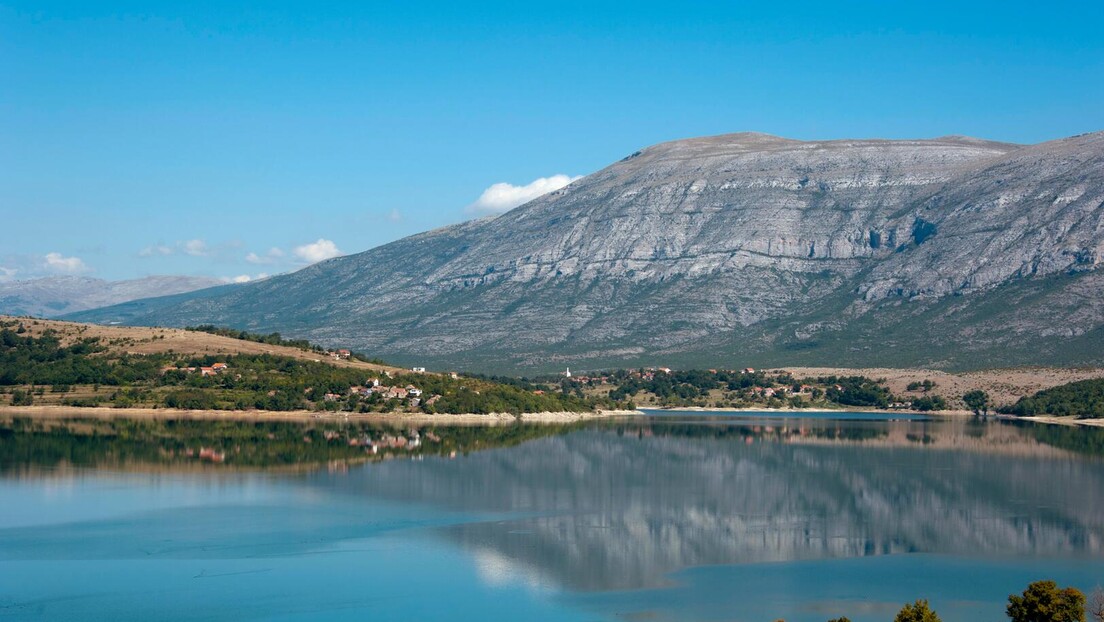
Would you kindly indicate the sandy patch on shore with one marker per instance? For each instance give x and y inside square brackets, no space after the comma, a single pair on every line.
[303,416]
[1063,420]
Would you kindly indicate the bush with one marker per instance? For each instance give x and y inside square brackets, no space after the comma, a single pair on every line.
[917,612]
[22,398]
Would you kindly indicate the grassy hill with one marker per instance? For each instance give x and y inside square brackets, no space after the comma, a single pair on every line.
[66,364]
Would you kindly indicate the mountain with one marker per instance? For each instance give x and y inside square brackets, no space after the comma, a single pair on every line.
[729,250]
[57,295]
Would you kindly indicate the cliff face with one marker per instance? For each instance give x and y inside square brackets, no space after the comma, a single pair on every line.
[726,249]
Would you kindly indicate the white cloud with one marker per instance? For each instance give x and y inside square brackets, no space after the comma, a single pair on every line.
[156,249]
[7,274]
[55,262]
[317,251]
[395,216]
[502,197]
[271,256]
[195,248]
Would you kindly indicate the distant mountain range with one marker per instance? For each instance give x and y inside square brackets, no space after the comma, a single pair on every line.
[743,249]
[57,295]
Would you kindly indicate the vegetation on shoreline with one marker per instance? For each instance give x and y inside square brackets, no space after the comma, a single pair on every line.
[1083,399]
[87,373]
[746,388]
[54,363]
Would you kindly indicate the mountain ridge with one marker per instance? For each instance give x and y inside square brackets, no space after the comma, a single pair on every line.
[695,247]
[57,295]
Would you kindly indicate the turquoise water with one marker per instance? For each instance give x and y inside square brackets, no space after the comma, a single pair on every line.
[673,518]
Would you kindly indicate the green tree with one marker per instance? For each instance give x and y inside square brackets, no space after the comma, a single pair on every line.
[917,612]
[843,619]
[1043,601]
[978,401]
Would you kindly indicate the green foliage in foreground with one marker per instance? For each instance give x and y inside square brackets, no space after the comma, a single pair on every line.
[1083,399]
[1043,601]
[916,612]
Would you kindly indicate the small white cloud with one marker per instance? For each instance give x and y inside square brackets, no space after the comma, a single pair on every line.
[195,248]
[157,249]
[271,256]
[317,251]
[502,197]
[395,216]
[7,274]
[56,262]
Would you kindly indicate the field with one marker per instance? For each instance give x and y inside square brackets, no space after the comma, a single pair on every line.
[1005,386]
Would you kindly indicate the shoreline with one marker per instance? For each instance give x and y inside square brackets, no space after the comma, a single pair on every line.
[1047,419]
[856,409]
[305,416]
[51,412]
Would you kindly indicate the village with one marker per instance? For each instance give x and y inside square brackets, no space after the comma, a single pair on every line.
[410,395]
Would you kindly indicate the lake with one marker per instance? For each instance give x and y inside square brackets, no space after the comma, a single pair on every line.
[673,516]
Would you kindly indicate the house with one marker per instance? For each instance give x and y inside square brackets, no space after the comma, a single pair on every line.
[418,370]
[343,354]
[207,371]
[413,390]
[749,370]
[331,397]
[220,366]
[212,455]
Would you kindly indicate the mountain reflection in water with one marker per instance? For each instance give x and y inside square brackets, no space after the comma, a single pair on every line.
[621,507]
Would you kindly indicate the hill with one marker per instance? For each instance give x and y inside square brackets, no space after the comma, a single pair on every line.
[730,250]
[57,364]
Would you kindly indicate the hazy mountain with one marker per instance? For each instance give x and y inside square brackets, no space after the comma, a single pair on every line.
[736,249]
[57,295]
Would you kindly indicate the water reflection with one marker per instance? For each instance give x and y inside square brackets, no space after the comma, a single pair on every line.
[622,507]
[608,506]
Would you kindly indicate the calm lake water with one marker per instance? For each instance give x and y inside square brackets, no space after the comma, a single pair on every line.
[683,516]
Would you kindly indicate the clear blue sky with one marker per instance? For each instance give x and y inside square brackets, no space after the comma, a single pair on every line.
[153,138]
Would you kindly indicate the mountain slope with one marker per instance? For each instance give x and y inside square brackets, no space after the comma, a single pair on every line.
[729,249]
[57,295]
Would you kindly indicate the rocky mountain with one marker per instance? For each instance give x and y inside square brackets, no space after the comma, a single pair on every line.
[57,295]
[729,250]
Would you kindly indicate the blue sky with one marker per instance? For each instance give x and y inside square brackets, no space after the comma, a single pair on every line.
[178,138]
